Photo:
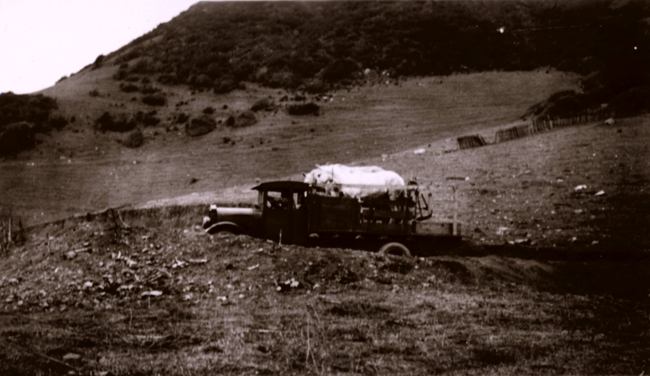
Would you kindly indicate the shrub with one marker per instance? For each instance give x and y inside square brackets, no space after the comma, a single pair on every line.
[168,79]
[263,104]
[134,140]
[339,70]
[148,89]
[208,110]
[17,137]
[155,99]
[129,88]
[304,109]
[121,74]
[149,119]
[182,118]
[58,122]
[200,126]
[202,80]
[98,62]
[93,93]
[244,119]
[223,86]
[632,102]
[34,109]
[115,123]
[565,106]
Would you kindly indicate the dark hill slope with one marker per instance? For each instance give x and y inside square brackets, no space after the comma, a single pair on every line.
[319,44]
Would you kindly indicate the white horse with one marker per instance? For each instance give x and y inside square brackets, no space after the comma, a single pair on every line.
[356,182]
[316,175]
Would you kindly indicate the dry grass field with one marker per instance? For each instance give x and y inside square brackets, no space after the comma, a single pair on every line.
[79,170]
[549,279]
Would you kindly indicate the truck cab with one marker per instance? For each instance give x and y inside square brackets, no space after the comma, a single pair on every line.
[279,215]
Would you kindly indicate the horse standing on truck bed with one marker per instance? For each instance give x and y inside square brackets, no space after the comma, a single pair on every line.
[347,180]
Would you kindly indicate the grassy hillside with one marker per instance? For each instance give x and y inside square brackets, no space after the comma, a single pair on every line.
[81,169]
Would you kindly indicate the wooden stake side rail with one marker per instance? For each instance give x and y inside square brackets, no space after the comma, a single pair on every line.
[380,216]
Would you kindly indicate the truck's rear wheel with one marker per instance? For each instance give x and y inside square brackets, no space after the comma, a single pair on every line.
[395,248]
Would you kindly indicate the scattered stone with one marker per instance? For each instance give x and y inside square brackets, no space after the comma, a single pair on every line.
[71,356]
[198,261]
[151,293]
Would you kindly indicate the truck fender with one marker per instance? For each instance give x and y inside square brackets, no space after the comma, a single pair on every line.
[225,227]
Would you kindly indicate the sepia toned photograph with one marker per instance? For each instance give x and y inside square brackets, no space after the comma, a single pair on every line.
[455,187]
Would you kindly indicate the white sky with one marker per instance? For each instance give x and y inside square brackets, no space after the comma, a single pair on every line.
[44,40]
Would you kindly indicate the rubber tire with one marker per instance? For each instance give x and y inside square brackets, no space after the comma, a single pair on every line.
[226,231]
[395,248]
[224,234]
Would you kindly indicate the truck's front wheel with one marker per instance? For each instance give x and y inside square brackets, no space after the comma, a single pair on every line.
[395,248]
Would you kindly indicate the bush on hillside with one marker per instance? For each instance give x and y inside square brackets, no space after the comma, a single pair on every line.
[155,99]
[168,79]
[148,119]
[340,70]
[129,88]
[148,89]
[134,140]
[304,109]
[35,109]
[115,123]
[182,118]
[121,74]
[565,106]
[632,102]
[58,122]
[561,104]
[245,119]
[264,104]
[200,126]
[17,137]
[209,110]
[225,85]
[98,62]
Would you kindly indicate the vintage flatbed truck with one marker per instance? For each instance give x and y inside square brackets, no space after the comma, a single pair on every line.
[293,212]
